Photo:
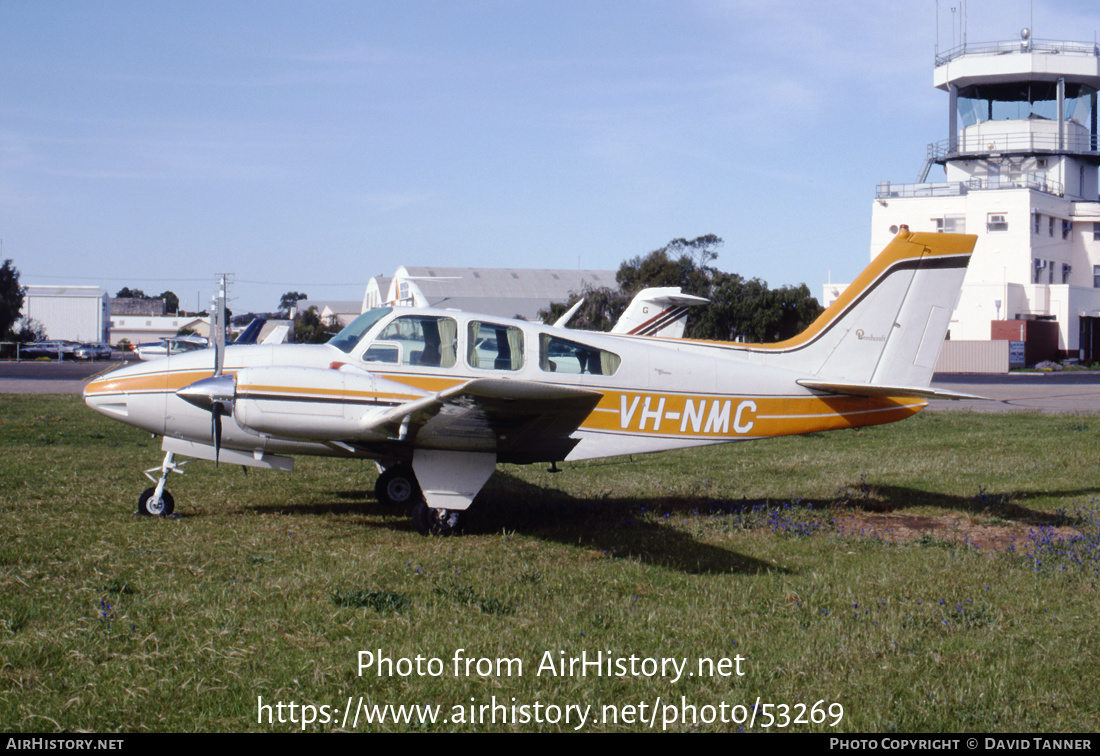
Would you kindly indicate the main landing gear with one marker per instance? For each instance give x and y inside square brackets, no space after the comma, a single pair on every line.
[397,486]
[437,522]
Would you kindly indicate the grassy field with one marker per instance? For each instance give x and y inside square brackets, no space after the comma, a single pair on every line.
[935,575]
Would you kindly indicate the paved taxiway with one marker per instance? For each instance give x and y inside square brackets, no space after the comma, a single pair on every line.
[50,376]
[1074,391]
[1066,392]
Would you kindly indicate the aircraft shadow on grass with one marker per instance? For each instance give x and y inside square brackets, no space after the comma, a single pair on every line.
[619,528]
[633,527]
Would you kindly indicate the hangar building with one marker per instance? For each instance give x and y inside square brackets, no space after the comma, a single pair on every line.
[504,292]
[75,313]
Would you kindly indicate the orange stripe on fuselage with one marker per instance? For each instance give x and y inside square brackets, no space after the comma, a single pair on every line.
[145,383]
[721,417]
[432,383]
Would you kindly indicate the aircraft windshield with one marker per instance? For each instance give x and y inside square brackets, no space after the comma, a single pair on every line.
[346,340]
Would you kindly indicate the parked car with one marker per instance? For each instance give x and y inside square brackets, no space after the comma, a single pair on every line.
[95,350]
[57,349]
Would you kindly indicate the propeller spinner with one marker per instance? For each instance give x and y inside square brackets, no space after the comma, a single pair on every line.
[215,395]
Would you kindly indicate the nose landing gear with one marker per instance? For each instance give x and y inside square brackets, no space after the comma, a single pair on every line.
[155,501]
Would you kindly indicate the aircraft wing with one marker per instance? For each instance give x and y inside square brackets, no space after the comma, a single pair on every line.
[874,389]
[518,420]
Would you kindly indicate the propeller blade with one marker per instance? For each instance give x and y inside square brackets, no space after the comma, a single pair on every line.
[217,321]
[216,413]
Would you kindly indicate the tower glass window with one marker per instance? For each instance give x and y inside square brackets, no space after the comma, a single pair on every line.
[1024,100]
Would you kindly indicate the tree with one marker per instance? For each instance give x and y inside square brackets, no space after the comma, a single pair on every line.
[290,300]
[11,298]
[602,307]
[680,263]
[308,328]
[171,302]
[29,331]
[739,309]
[127,293]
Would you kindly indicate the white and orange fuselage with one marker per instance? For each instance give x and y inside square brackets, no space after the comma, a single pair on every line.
[450,391]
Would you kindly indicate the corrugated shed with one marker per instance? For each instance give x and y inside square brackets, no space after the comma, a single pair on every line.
[76,313]
[973,357]
[494,291]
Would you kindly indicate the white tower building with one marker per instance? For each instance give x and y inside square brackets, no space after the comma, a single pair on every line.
[1021,163]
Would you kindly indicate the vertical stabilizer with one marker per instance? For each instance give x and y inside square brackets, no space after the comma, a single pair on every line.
[657,312]
[888,326]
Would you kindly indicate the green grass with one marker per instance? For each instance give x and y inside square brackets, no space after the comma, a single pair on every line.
[783,552]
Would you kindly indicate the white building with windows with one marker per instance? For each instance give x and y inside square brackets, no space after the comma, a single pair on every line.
[1020,171]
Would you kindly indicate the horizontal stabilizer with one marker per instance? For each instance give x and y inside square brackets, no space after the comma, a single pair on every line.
[874,389]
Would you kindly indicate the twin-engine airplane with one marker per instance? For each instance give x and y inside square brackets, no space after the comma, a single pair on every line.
[437,398]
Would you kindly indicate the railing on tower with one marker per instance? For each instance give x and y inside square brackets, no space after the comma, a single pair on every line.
[887,190]
[1017,46]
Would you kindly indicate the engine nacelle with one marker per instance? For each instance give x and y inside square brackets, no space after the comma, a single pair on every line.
[318,404]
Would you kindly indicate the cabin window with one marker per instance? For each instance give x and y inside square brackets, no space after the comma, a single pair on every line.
[420,340]
[494,347]
[383,351]
[562,356]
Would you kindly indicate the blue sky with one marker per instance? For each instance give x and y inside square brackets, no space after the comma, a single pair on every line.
[309,146]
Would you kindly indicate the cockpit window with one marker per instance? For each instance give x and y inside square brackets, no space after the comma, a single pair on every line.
[562,356]
[423,340]
[494,347]
[348,338]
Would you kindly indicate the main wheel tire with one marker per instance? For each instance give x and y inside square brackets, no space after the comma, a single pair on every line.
[397,486]
[148,507]
[437,522]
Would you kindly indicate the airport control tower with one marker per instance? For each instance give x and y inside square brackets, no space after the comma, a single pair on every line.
[1020,163]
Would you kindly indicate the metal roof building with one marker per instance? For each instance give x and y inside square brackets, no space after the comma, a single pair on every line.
[505,292]
[76,313]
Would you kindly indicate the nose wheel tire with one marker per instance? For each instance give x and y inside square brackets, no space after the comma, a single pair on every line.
[148,506]
[437,522]
[397,486]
